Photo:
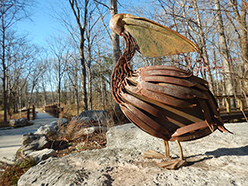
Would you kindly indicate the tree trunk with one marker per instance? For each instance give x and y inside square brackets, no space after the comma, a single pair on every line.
[5,107]
[89,72]
[83,74]
[203,49]
[240,15]
[115,38]
[115,50]
[224,49]
[77,13]
[244,44]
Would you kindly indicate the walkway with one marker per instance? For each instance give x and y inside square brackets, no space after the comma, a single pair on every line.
[11,139]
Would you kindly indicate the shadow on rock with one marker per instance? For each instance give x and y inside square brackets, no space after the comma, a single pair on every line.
[192,162]
[240,151]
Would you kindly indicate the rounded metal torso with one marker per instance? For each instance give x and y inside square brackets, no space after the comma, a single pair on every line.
[164,101]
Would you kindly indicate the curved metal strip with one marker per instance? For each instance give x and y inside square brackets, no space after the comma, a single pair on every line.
[135,116]
[163,72]
[173,110]
[192,136]
[168,79]
[154,97]
[172,90]
[144,106]
[190,128]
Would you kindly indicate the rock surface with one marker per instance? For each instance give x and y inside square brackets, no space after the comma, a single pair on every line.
[32,141]
[41,154]
[99,117]
[51,128]
[218,159]
[22,122]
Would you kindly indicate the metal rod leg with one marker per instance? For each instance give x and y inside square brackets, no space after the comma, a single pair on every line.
[167,149]
[180,149]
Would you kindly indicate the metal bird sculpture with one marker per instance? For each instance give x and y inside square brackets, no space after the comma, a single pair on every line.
[164,101]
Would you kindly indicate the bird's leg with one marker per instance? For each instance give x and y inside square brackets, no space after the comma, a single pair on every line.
[154,154]
[177,163]
[171,164]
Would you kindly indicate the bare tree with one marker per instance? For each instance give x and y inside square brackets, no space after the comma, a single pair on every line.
[115,38]
[115,50]
[11,11]
[60,50]
[73,76]
[242,34]
[229,84]
[82,23]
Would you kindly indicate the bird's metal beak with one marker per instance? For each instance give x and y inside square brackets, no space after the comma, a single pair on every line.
[117,22]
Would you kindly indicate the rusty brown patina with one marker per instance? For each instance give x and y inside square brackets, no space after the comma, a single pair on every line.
[164,101]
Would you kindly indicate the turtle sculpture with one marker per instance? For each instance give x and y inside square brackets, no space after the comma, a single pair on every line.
[165,101]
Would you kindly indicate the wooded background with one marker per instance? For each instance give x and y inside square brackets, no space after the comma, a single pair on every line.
[75,66]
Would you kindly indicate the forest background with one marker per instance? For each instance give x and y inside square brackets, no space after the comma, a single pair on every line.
[74,66]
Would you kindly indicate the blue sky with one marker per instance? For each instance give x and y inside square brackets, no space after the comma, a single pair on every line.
[42,24]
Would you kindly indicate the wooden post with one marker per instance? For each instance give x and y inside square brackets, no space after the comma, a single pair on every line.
[28,113]
[57,112]
[33,110]
[241,104]
[228,105]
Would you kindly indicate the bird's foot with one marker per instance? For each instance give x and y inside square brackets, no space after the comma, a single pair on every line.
[153,154]
[172,165]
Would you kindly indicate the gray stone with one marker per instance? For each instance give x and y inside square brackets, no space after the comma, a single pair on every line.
[32,141]
[51,128]
[217,159]
[22,122]
[62,121]
[99,117]
[41,154]
[12,122]
[90,130]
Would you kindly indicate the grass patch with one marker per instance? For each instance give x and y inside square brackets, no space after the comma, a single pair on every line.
[10,174]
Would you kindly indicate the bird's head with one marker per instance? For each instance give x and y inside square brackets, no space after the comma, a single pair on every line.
[117,23]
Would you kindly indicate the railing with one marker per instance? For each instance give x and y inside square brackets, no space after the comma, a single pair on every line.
[54,110]
[30,111]
[233,107]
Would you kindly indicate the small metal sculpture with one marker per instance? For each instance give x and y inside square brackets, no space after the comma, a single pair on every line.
[164,101]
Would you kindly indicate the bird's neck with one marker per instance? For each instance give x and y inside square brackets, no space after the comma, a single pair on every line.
[122,68]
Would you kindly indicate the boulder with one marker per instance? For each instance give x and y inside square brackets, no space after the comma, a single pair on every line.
[93,117]
[90,130]
[12,122]
[51,128]
[217,159]
[41,154]
[22,122]
[32,141]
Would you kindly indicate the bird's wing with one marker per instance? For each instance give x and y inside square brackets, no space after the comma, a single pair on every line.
[155,40]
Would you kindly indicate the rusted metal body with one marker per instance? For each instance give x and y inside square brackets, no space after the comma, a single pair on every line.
[164,101]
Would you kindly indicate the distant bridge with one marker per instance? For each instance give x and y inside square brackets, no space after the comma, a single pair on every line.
[233,108]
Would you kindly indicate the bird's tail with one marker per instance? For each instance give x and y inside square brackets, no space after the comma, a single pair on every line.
[223,129]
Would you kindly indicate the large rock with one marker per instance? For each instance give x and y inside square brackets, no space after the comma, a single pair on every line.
[51,128]
[99,117]
[32,141]
[218,159]
[41,154]
[22,122]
